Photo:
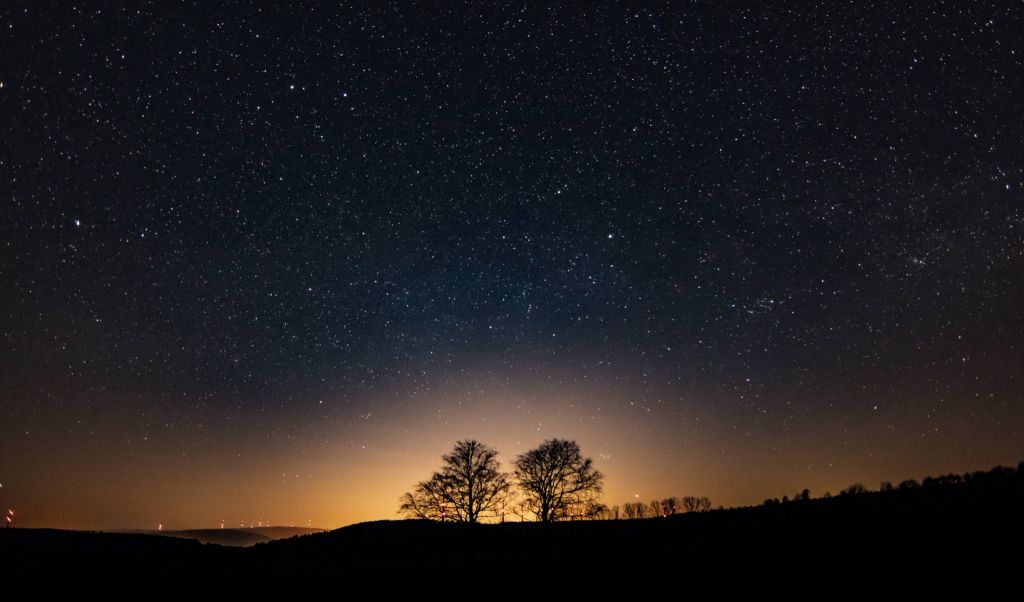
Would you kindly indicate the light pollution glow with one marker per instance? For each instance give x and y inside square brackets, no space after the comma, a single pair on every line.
[336,470]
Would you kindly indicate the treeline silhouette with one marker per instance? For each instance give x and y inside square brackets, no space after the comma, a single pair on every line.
[665,507]
[941,537]
[893,542]
[997,480]
[552,482]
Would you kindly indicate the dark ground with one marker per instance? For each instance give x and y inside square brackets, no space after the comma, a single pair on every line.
[242,537]
[960,540]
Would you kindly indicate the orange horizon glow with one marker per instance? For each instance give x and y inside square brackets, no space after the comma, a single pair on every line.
[333,472]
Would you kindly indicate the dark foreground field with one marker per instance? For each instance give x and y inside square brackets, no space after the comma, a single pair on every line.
[243,537]
[944,541]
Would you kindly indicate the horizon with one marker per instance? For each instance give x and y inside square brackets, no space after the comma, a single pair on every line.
[916,483]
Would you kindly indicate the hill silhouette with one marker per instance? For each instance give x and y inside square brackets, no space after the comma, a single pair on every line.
[948,537]
[242,537]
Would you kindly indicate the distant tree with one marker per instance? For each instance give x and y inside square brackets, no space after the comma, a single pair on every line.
[954,479]
[785,499]
[655,507]
[885,486]
[804,495]
[1001,471]
[615,513]
[555,478]
[469,487]
[634,510]
[592,511]
[696,504]
[909,484]
[855,489]
[669,506]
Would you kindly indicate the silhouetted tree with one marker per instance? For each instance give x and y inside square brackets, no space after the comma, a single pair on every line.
[589,511]
[655,508]
[635,510]
[885,486]
[428,500]
[804,495]
[615,514]
[669,506]
[855,489]
[909,484]
[696,504]
[470,486]
[555,477]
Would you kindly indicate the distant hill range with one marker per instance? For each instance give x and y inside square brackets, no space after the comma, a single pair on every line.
[947,537]
[233,537]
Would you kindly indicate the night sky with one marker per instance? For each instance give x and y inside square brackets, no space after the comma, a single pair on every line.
[271,264]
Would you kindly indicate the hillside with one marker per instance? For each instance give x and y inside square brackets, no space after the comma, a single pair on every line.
[235,537]
[932,541]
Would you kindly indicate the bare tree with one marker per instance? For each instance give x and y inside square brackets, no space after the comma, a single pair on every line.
[696,504]
[669,506]
[634,510]
[428,500]
[588,511]
[469,487]
[556,480]
[655,508]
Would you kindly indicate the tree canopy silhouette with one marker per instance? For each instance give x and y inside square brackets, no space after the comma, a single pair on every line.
[557,481]
[469,487]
